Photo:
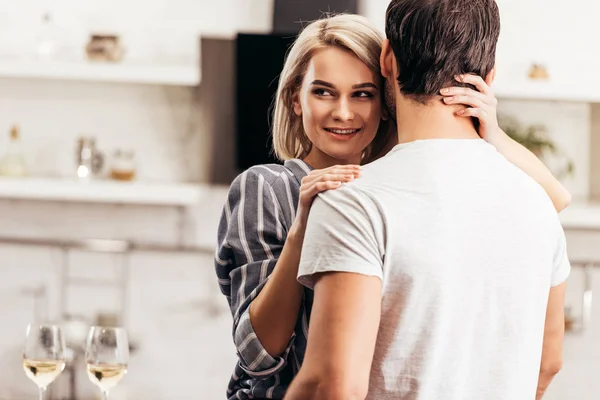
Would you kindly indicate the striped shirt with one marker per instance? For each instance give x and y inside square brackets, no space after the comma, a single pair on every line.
[260,208]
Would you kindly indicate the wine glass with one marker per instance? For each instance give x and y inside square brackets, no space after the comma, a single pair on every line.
[44,355]
[106,356]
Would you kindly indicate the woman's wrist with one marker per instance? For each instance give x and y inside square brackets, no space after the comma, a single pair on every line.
[296,233]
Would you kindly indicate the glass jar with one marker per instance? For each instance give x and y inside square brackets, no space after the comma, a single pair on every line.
[123,165]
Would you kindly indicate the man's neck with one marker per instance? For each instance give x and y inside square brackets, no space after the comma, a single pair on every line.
[432,121]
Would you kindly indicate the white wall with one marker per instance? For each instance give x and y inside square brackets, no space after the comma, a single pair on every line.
[152,28]
[563,35]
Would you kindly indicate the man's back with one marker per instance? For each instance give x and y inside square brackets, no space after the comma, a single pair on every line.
[470,248]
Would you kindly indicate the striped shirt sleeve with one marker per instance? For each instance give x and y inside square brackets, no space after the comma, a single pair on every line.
[250,239]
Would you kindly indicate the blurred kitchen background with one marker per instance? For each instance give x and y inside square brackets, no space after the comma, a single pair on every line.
[123,122]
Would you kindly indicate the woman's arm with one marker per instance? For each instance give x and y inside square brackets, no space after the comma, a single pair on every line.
[250,241]
[483,107]
[257,265]
[532,166]
[274,311]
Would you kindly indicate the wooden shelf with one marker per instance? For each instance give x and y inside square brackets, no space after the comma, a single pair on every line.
[101,191]
[124,72]
[584,91]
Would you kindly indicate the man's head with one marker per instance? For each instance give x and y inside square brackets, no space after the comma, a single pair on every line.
[433,41]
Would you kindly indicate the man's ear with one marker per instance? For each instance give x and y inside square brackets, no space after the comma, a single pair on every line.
[489,79]
[387,60]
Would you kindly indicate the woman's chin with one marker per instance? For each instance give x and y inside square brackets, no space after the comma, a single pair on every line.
[343,156]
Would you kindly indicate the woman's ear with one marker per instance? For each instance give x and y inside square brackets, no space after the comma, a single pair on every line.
[296,105]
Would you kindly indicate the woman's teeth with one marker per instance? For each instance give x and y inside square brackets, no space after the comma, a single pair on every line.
[342,131]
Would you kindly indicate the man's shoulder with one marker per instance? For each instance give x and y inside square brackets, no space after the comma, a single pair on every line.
[521,184]
[352,200]
[522,197]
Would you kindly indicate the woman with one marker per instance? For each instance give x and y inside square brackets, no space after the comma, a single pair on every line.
[328,120]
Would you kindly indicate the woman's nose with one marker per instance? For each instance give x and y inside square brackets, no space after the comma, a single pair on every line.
[343,111]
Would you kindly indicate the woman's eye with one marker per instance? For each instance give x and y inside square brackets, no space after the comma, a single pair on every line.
[322,92]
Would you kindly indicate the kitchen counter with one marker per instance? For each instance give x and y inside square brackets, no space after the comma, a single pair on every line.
[581,216]
[102,191]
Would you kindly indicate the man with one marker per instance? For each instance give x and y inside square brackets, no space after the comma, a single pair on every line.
[440,273]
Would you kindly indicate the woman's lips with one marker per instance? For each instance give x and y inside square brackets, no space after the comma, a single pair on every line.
[343,131]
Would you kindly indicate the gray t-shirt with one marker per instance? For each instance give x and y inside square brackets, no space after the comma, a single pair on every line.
[467,247]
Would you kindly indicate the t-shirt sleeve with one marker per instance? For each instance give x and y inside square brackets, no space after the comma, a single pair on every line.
[344,234]
[561,265]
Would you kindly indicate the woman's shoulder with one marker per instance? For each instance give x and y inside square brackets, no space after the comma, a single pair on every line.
[276,176]
[269,173]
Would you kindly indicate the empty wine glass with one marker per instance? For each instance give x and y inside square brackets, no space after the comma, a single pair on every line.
[44,355]
[106,356]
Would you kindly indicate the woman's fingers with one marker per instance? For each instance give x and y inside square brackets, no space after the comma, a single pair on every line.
[338,177]
[456,91]
[311,191]
[468,100]
[476,81]
[326,179]
[315,175]
[478,113]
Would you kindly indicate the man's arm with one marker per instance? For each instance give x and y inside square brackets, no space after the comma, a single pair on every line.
[341,338]
[554,331]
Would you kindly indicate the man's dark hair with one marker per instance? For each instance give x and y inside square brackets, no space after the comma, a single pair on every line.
[435,40]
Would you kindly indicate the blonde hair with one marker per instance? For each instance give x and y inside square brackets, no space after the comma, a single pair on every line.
[350,32]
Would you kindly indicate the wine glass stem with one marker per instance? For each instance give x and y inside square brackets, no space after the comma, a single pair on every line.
[42,390]
[105,395]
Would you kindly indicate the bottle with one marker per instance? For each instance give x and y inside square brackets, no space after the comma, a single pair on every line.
[47,38]
[13,161]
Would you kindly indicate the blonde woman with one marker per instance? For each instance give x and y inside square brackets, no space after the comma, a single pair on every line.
[329,119]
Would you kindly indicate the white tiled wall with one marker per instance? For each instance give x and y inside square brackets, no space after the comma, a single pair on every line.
[177,133]
[184,134]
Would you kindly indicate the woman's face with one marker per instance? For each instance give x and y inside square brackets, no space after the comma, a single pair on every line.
[340,105]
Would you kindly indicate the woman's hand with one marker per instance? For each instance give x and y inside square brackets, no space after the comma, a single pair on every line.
[482,105]
[318,181]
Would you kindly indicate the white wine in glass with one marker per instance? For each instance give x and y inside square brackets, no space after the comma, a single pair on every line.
[44,355]
[106,356]
[106,376]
